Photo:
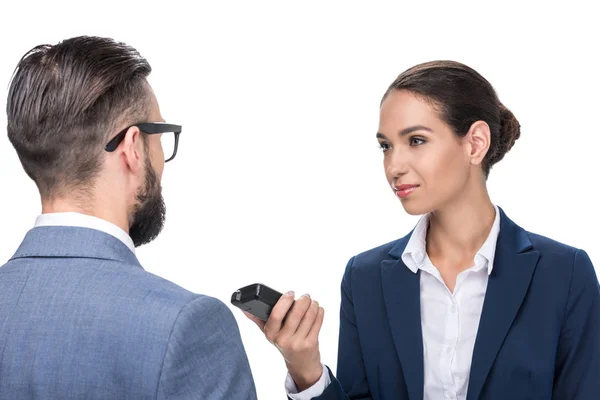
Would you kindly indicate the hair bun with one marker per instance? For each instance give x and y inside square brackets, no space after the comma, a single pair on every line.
[510,131]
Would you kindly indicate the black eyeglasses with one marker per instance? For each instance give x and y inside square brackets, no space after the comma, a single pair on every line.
[169,138]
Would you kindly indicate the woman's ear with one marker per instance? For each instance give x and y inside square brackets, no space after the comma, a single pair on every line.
[478,139]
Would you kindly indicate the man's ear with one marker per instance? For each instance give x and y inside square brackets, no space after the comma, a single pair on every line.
[132,150]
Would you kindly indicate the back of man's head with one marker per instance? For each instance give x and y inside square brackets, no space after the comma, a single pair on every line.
[63,103]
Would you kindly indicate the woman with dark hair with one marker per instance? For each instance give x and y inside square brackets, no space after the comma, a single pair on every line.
[469,305]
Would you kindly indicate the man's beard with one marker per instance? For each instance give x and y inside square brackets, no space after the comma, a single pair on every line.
[150,211]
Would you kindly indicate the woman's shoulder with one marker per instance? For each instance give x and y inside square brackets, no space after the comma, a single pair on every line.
[512,233]
[373,257]
[547,246]
[558,257]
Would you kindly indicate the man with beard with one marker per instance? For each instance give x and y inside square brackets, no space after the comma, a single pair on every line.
[79,316]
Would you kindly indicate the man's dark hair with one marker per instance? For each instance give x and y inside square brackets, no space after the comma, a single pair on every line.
[462,96]
[66,100]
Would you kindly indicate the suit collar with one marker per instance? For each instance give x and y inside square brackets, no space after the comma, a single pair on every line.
[85,221]
[74,242]
[514,263]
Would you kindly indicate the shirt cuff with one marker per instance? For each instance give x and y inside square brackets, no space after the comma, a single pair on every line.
[314,391]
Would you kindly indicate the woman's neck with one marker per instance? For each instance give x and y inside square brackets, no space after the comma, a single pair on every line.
[458,230]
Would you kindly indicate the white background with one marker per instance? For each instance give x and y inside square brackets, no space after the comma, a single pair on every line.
[279,178]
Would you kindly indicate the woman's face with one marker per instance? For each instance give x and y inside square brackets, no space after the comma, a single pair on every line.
[426,164]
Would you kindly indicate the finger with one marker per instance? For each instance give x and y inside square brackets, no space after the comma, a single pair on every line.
[309,319]
[313,335]
[273,325]
[295,315]
[259,322]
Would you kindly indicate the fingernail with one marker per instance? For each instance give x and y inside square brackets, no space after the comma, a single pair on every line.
[290,293]
[306,295]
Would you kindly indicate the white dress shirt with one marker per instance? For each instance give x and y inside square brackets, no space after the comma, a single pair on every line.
[85,221]
[449,320]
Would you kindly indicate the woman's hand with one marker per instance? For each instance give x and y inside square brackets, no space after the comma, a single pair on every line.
[296,337]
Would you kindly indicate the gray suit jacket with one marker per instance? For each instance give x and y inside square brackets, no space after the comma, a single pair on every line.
[81,319]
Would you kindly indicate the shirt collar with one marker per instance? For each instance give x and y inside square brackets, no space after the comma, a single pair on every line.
[85,221]
[415,253]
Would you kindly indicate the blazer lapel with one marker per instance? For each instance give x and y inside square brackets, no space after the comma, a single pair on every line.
[514,265]
[401,291]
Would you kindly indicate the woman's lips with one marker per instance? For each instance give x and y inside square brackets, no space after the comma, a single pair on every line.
[403,191]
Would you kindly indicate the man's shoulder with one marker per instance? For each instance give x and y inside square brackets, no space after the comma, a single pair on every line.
[157,287]
[115,292]
[158,291]
[158,298]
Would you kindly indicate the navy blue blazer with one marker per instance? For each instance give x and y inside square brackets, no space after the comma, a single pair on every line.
[538,337]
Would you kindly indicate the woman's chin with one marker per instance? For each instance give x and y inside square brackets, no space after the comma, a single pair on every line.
[413,208]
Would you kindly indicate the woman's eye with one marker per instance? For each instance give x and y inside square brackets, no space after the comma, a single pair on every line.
[415,141]
[384,146]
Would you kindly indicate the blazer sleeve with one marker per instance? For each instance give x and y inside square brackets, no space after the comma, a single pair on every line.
[205,357]
[577,372]
[351,382]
